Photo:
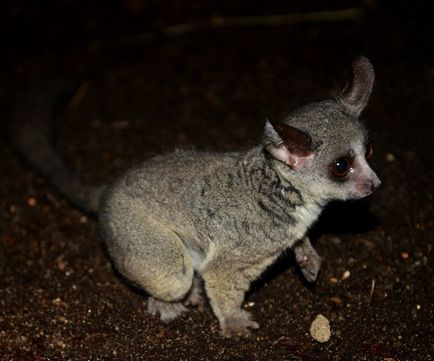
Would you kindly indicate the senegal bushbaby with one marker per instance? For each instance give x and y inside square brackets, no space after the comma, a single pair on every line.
[184,218]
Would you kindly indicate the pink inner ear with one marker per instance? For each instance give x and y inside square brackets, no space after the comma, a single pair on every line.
[294,160]
[289,145]
[298,162]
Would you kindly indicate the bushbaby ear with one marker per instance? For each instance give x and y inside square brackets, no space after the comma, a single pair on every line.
[355,95]
[288,144]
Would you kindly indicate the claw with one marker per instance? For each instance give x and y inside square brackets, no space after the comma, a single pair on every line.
[238,325]
[168,311]
[308,259]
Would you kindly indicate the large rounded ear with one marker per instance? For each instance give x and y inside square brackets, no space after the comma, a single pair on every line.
[288,144]
[355,95]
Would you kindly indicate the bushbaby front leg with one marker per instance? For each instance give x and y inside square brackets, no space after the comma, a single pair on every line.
[225,288]
[307,258]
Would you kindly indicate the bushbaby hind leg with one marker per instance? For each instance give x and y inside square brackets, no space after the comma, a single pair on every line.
[195,297]
[171,310]
[168,311]
[152,257]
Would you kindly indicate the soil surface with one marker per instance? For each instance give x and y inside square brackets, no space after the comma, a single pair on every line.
[60,298]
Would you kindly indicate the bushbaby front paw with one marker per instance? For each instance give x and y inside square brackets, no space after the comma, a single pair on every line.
[308,260]
[238,325]
[310,266]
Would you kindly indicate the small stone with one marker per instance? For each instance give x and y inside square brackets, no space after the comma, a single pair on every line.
[336,300]
[346,275]
[333,280]
[58,302]
[31,202]
[63,319]
[404,255]
[320,329]
[61,264]
[390,157]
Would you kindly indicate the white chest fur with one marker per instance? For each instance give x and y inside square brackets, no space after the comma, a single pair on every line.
[304,215]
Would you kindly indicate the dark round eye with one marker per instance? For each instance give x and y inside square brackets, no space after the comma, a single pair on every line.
[341,167]
[369,152]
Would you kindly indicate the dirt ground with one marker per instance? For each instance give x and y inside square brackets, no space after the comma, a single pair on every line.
[60,298]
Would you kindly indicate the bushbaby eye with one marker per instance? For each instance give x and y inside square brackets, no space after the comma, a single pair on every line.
[340,167]
[369,151]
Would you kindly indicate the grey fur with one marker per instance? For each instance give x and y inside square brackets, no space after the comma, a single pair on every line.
[226,217]
[188,217]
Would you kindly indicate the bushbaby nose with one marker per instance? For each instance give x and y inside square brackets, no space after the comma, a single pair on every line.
[375,183]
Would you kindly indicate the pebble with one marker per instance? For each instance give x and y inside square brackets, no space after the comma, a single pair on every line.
[346,275]
[390,157]
[336,300]
[320,329]
[404,255]
[32,202]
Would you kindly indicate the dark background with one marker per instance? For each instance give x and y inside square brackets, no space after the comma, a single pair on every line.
[212,89]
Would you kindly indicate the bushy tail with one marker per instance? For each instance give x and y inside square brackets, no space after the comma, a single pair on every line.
[30,133]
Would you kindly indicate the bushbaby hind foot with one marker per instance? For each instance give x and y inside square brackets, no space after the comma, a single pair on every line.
[238,325]
[168,311]
[195,297]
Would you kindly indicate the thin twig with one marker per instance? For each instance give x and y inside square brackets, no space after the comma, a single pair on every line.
[372,291]
[233,22]
[79,95]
